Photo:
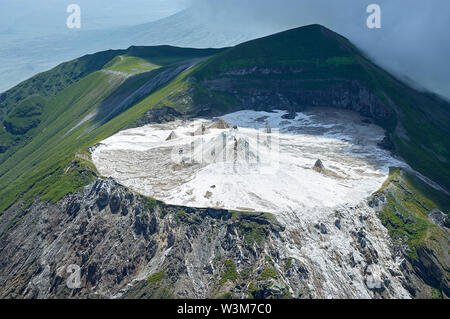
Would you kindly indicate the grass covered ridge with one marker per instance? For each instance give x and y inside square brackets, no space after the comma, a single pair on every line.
[409,200]
[130,65]
[46,164]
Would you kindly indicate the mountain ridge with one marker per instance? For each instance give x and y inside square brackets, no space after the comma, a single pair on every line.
[50,122]
[306,62]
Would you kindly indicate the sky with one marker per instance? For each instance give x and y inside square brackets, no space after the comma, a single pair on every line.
[49,16]
[413,41]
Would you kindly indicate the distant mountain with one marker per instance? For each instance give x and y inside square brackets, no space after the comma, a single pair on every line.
[22,59]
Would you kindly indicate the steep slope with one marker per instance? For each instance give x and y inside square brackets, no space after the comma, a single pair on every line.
[71,119]
[27,99]
[129,246]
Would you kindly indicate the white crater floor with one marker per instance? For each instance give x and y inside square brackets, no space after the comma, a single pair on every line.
[265,164]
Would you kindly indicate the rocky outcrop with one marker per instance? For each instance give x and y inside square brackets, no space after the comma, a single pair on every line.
[126,245]
[171,136]
[432,268]
[220,124]
[161,114]
[387,144]
[118,240]
[318,166]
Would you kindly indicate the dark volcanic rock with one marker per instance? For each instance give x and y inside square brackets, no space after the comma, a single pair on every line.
[171,136]
[73,208]
[115,202]
[158,115]
[103,199]
[289,116]
[318,166]
[337,223]
[387,144]
[429,268]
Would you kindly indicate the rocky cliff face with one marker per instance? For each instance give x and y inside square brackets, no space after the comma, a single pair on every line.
[417,234]
[295,95]
[120,239]
[128,246]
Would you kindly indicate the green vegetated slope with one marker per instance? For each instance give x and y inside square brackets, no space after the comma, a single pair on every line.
[22,107]
[70,108]
[129,65]
[409,202]
[54,159]
[311,52]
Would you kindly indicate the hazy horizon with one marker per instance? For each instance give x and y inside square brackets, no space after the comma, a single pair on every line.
[412,42]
